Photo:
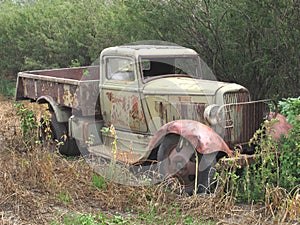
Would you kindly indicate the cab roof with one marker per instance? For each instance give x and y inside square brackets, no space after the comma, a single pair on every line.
[148,50]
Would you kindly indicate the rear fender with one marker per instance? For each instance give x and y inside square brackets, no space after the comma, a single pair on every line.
[204,139]
[62,114]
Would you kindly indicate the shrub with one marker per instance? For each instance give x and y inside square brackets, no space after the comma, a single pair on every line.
[28,124]
[290,108]
[290,145]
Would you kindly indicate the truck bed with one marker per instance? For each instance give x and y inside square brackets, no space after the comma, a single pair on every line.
[75,88]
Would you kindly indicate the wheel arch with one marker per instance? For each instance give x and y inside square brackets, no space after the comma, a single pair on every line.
[204,139]
[62,114]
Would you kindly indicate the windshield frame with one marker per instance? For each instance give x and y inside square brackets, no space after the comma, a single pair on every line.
[160,57]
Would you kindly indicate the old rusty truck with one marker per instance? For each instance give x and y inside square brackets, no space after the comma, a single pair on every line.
[163,103]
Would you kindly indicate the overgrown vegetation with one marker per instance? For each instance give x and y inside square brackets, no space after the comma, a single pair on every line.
[37,187]
[289,146]
[254,43]
[56,189]
[274,178]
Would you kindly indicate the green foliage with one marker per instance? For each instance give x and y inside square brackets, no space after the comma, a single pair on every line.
[290,108]
[75,63]
[254,43]
[28,121]
[100,219]
[265,171]
[144,218]
[80,219]
[7,87]
[64,197]
[290,145]
[99,182]
[290,158]
[29,125]
[277,163]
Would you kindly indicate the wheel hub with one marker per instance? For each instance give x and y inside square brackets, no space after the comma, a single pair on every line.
[182,164]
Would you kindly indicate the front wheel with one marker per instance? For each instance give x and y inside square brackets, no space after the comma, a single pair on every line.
[57,133]
[177,159]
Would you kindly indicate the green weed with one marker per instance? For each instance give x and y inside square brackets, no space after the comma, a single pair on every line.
[64,197]
[89,219]
[290,108]
[28,124]
[99,182]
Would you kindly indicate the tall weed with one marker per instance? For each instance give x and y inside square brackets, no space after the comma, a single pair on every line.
[28,124]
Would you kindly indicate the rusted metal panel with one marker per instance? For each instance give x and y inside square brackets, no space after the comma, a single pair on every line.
[68,96]
[198,134]
[30,88]
[76,88]
[124,110]
[88,98]
[78,73]
[168,111]
[131,147]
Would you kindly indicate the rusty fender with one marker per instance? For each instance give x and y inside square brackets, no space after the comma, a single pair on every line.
[62,115]
[203,138]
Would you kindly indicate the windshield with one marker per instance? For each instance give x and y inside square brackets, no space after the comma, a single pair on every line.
[188,65]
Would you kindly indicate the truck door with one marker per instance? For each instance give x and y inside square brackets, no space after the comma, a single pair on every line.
[120,97]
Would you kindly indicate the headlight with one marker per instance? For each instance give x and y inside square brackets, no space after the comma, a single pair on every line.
[211,114]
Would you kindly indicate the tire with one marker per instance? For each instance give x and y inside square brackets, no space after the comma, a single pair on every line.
[177,159]
[59,135]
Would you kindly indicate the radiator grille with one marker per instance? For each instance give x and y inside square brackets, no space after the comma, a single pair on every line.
[241,118]
[236,97]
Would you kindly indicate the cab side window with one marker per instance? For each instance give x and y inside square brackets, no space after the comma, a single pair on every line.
[120,69]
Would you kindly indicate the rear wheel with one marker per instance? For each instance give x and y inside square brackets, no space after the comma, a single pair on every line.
[178,159]
[58,136]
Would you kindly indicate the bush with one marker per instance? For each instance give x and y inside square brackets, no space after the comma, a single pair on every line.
[290,145]
[290,108]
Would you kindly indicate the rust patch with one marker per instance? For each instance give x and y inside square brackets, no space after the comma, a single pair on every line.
[109,96]
[126,111]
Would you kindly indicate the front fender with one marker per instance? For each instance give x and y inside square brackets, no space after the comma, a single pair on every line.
[280,126]
[204,139]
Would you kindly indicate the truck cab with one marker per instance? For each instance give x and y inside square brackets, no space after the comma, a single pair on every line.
[142,88]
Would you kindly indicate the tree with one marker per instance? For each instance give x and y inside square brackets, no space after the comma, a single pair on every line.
[254,43]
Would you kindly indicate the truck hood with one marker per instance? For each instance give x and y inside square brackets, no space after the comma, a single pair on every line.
[185,86]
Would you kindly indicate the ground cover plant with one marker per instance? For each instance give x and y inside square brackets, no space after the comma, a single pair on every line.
[42,188]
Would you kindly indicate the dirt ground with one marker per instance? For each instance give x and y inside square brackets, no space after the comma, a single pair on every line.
[41,188]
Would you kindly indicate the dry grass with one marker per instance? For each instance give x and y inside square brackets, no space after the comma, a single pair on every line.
[38,188]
